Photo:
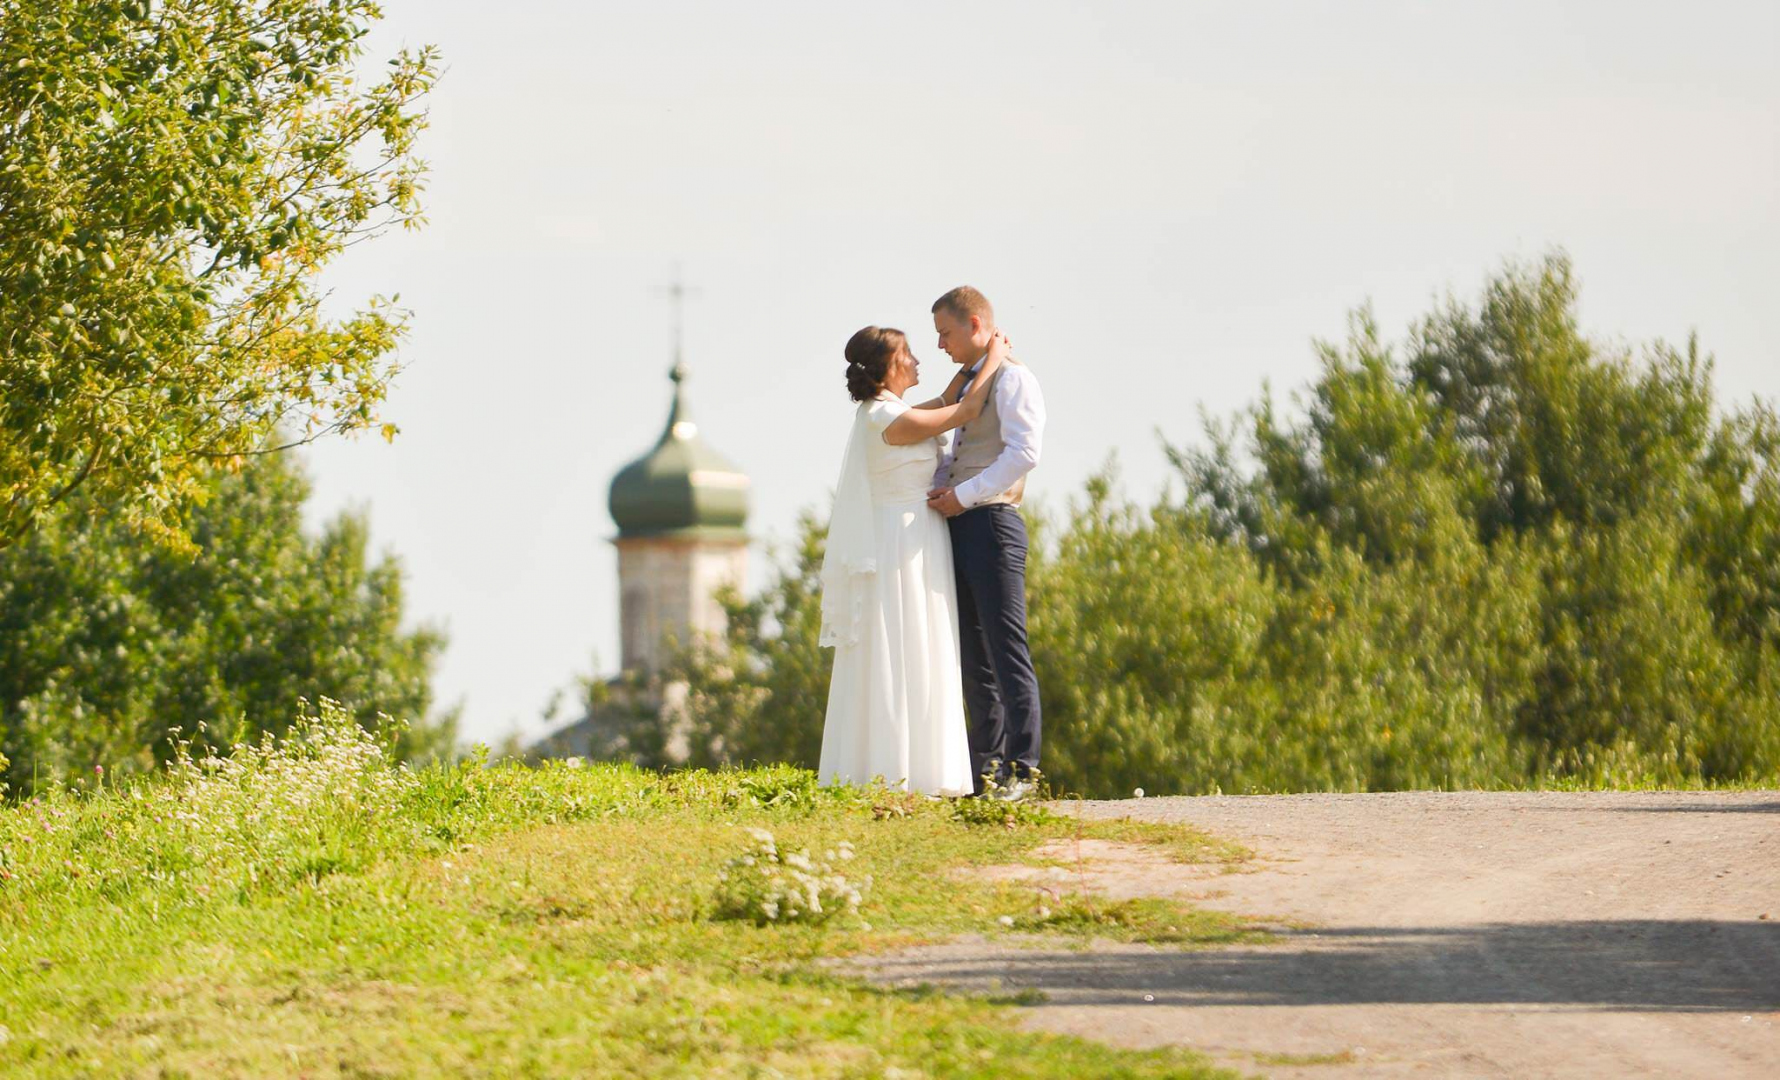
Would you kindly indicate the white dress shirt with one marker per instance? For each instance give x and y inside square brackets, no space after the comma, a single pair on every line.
[1022,410]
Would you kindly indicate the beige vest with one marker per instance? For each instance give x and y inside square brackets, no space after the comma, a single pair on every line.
[977,445]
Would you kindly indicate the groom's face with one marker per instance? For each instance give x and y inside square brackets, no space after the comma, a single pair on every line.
[964,340]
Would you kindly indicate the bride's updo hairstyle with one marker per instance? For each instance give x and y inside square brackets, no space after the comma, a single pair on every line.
[870,353]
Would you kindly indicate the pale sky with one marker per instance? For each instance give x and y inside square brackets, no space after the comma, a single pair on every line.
[1167,202]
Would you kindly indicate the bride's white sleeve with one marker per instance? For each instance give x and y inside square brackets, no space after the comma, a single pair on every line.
[882,413]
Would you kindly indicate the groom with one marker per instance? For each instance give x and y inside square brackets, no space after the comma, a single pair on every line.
[981,477]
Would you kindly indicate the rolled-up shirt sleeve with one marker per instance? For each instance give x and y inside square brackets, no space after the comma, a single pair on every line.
[1022,410]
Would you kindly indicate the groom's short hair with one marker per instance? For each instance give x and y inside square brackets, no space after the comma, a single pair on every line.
[963,302]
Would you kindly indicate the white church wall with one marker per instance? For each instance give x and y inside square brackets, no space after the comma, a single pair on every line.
[666,588]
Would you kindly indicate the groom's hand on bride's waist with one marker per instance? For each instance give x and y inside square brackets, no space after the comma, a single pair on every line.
[945,500]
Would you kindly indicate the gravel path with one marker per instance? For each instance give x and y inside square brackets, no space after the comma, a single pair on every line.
[1441,934]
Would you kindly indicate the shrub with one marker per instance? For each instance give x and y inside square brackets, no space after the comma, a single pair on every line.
[764,885]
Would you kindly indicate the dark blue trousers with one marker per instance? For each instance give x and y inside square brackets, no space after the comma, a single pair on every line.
[1000,690]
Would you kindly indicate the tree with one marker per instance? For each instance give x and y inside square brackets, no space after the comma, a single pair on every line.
[174,174]
[1622,619]
[109,645]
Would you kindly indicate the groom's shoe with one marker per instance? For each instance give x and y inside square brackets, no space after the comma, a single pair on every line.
[1021,785]
[1016,789]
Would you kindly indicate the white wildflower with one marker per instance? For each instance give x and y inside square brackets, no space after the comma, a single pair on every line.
[766,885]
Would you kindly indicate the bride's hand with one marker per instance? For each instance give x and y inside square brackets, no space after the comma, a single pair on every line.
[978,396]
[1001,346]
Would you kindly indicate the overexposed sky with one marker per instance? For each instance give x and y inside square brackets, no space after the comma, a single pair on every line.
[1167,203]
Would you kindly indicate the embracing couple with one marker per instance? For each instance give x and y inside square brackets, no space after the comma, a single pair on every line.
[924,580]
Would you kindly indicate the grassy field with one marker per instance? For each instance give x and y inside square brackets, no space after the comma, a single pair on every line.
[308,909]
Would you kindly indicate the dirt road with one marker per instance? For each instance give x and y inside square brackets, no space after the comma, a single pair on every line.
[1440,934]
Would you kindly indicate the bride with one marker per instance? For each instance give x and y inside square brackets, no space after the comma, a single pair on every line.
[889,600]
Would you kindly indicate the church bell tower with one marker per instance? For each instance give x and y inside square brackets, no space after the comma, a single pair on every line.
[681,511]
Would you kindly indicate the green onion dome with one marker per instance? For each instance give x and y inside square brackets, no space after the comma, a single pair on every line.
[681,488]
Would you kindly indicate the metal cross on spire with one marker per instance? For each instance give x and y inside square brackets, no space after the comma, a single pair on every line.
[677,294]
[680,425]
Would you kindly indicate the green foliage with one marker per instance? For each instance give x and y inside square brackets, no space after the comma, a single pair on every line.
[999,814]
[1514,557]
[1146,919]
[109,644]
[779,786]
[174,176]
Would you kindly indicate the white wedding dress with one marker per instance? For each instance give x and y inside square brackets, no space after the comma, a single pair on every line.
[890,609]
